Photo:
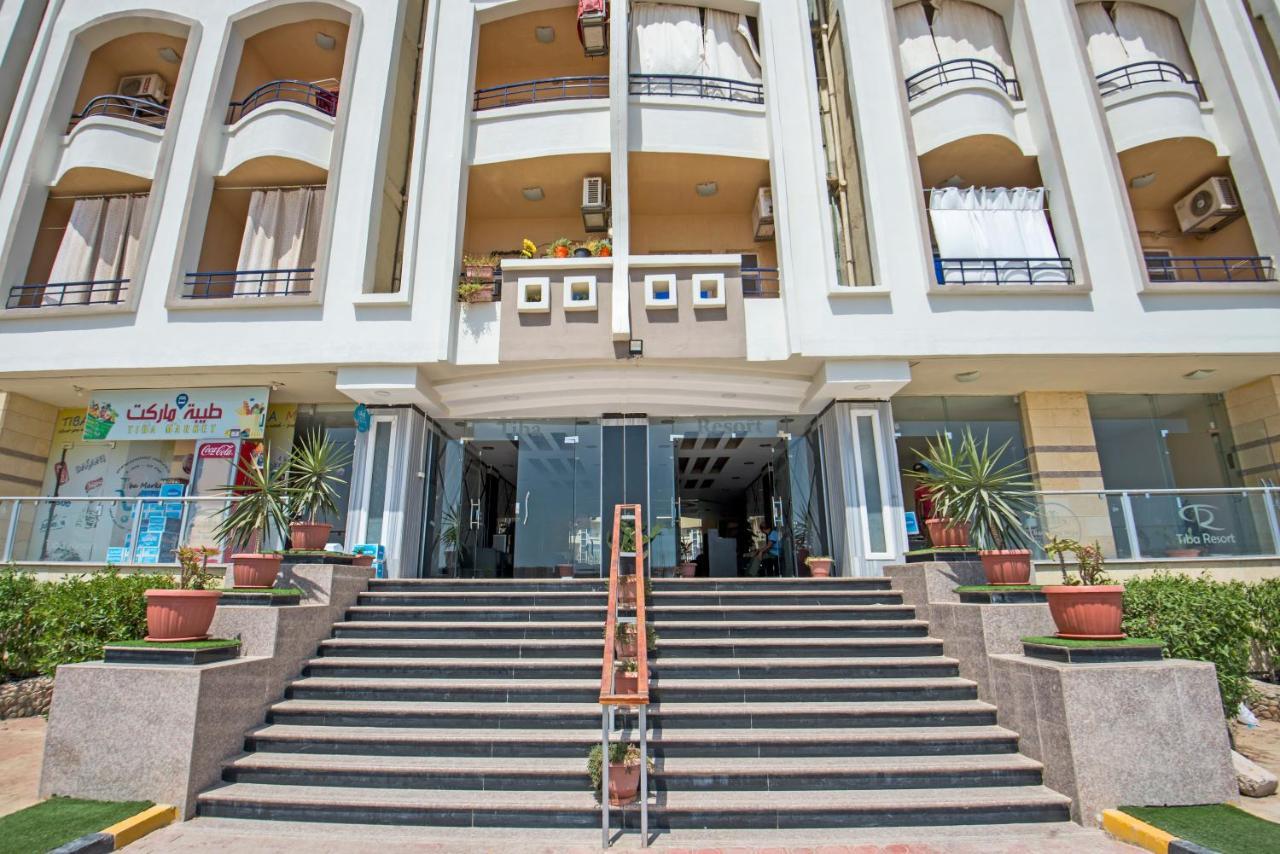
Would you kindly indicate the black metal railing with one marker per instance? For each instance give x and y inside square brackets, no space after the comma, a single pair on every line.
[760,282]
[958,71]
[1003,271]
[692,86]
[541,91]
[53,294]
[140,110]
[236,284]
[1237,268]
[310,95]
[1148,71]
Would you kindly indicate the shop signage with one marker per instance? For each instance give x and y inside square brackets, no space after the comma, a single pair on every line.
[218,451]
[236,413]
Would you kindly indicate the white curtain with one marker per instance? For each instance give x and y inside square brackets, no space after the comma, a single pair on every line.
[964,30]
[994,223]
[915,39]
[666,39]
[1106,50]
[1151,34]
[280,233]
[727,47]
[100,243]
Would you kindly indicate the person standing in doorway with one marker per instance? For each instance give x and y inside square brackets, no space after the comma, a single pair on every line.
[923,498]
[770,553]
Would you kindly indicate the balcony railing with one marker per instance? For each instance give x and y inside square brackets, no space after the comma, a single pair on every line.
[140,110]
[692,86]
[238,284]
[310,95]
[760,282]
[1165,268]
[1003,271]
[541,91]
[1149,71]
[95,292]
[958,71]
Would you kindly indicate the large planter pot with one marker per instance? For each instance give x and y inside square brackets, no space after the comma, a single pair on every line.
[626,683]
[820,567]
[565,570]
[180,615]
[624,783]
[363,560]
[1006,566]
[309,536]
[625,649]
[627,591]
[254,570]
[943,533]
[687,570]
[1087,613]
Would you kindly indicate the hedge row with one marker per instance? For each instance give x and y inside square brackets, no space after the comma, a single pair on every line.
[47,623]
[1232,624]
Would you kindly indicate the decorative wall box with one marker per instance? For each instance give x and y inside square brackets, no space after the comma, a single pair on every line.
[533,294]
[708,290]
[579,293]
[660,291]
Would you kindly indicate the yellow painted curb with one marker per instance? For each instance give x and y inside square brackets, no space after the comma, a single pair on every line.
[1126,828]
[137,826]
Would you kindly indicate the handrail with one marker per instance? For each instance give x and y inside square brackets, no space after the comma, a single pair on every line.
[543,89]
[957,71]
[140,110]
[1210,268]
[695,86]
[54,294]
[1003,271]
[230,284]
[760,282]
[1147,71]
[610,698]
[293,91]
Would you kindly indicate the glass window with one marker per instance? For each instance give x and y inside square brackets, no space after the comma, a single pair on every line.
[1174,441]
[869,472]
[378,480]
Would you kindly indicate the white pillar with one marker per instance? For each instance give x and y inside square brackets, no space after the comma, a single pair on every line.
[619,157]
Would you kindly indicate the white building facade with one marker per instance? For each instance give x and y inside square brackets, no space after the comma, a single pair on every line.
[800,239]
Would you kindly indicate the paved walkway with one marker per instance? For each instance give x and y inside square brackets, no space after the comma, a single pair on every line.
[1262,745]
[21,752]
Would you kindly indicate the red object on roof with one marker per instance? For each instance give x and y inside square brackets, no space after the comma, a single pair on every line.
[588,7]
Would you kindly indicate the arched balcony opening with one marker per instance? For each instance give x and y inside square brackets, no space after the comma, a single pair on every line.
[86,250]
[945,43]
[299,62]
[704,53]
[131,78]
[1191,222]
[263,233]
[534,58]
[989,217]
[1132,45]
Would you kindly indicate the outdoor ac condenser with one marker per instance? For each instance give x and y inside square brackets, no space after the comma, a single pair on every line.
[762,214]
[149,86]
[1208,207]
[595,204]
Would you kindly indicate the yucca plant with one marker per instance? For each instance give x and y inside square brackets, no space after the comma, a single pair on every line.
[313,474]
[968,483]
[261,508]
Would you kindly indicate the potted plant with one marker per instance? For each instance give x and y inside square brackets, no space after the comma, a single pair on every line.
[971,485]
[819,567]
[528,249]
[1087,606]
[582,250]
[627,679]
[185,612]
[479,268]
[944,532]
[314,479]
[687,568]
[624,640]
[601,248]
[560,248]
[260,512]
[624,771]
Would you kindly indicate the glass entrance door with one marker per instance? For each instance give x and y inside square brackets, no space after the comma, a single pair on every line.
[557,504]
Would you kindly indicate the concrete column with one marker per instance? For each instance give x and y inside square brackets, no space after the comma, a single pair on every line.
[620,160]
[26,437]
[1254,412]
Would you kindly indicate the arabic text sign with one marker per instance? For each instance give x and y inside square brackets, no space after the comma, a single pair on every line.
[176,414]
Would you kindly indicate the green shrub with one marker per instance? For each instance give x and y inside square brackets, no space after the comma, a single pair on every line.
[1197,618]
[1264,597]
[47,623]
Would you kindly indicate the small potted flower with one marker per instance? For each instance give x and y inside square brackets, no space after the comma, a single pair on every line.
[624,640]
[479,268]
[184,613]
[627,679]
[528,249]
[686,568]
[819,567]
[582,250]
[624,771]
[1086,606]
[944,532]
[560,248]
[259,513]
[601,248]
[314,468]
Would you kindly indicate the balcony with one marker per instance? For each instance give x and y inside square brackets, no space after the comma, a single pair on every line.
[959,71]
[57,294]
[692,86]
[761,283]
[1127,77]
[1172,268]
[541,91]
[140,110]
[322,99]
[248,284]
[1003,271]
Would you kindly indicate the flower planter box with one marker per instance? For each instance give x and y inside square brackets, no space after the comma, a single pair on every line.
[273,598]
[1094,652]
[987,594]
[178,653]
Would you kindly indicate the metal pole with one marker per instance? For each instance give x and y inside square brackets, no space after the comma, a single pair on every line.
[644,775]
[604,777]
[12,531]
[1130,528]
[1269,502]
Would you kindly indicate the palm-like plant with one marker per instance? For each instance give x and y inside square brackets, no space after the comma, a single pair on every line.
[313,474]
[260,510]
[968,483]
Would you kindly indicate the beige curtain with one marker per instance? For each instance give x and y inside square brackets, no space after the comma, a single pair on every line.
[280,233]
[1106,50]
[100,244]
[1151,34]
[727,47]
[915,39]
[965,30]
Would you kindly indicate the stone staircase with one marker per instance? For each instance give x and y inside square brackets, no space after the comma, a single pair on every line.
[779,703]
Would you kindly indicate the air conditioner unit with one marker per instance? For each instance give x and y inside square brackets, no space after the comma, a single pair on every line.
[762,215]
[1208,207]
[595,204]
[150,86]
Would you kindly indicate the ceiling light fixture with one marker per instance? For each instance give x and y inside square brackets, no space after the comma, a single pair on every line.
[707,188]
[532,194]
[968,376]
[1199,374]
[544,35]
[1140,181]
[324,41]
[169,55]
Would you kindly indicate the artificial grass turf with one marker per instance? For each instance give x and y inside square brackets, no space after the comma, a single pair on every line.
[1094,644]
[57,821]
[943,550]
[208,643]
[273,591]
[996,588]
[1219,827]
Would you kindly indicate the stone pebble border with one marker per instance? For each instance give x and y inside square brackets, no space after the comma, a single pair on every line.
[26,698]
[121,833]
[1126,828]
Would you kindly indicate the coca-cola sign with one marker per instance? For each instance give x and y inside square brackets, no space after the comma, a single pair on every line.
[218,451]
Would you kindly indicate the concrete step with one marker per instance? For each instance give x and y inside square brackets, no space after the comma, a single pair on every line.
[568,649]
[762,629]
[755,648]
[663,598]
[780,611]
[515,598]
[469,630]
[486,585]
[664,742]
[479,613]
[757,584]
[684,809]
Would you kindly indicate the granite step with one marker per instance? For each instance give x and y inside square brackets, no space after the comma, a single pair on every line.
[468,630]
[596,598]
[772,629]
[442,648]
[779,584]
[756,648]
[741,598]
[487,614]
[661,613]
[487,585]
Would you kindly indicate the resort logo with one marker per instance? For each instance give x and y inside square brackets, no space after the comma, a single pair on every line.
[1204,518]
[1200,515]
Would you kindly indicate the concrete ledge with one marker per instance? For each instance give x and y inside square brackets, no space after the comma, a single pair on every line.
[1126,828]
[923,584]
[973,633]
[1144,733]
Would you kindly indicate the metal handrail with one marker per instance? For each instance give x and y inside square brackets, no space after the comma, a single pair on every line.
[230,284]
[760,282]
[693,86]
[542,90]
[610,698]
[140,110]
[1003,271]
[292,91]
[957,71]
[1208,268]
[1148,71]
[54,294]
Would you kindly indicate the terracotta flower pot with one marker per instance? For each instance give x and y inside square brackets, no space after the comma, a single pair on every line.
[626,683]
[604,252]
[560,252]
[180,615]
[1087,613]
[1006,566]
[624,783]
[565,570]
[363,560]
[820,567]
[943,535]
[255,570]
[309,536]
[627,591]
[687,569]
[625,648]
